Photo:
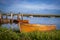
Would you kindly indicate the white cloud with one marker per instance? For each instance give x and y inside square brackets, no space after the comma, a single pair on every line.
[35,7]
[32,7]
[41,6]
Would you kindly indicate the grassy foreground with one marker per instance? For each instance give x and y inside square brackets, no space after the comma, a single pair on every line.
[6,34]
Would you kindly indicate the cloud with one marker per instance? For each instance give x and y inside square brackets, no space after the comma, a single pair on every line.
[35,6]
[41,6]
[29,5]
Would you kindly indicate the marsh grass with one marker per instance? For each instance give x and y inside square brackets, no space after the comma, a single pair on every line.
[36,35]
[52,35]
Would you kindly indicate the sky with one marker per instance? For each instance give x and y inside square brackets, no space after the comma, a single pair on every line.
[31,6]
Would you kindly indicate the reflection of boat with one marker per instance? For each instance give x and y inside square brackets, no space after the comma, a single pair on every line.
[25,27]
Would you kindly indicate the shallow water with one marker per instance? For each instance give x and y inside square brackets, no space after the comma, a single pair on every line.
[36,20]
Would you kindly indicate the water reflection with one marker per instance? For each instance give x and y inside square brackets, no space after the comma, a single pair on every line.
[36,20]
[11,26]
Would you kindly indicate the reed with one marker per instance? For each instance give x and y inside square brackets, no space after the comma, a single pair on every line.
[6,34]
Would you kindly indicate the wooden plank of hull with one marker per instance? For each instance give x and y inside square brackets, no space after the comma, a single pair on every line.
[36,27]
[23,21]
[5,21]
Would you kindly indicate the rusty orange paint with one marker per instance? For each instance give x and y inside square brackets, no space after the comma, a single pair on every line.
[26,27]
[36,27]
[23,21]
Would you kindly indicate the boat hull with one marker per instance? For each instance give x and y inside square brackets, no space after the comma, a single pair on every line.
[36,27]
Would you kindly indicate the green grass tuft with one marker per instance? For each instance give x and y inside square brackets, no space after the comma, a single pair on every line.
[6,34]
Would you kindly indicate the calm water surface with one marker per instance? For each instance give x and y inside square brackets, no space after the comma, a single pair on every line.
[36,20]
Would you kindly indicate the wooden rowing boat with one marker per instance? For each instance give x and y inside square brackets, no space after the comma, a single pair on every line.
[36,27]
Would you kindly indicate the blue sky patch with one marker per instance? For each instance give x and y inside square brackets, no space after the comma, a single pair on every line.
[31,6]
